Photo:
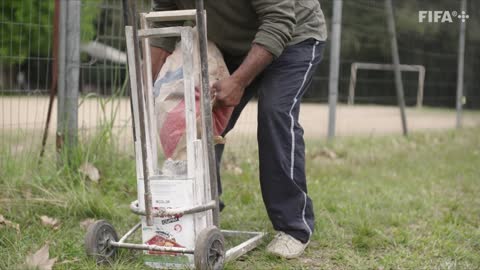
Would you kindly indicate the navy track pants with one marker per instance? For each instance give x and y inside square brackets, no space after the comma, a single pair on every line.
[281,147]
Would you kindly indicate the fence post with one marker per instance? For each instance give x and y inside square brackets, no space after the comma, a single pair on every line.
[61,73]
[461,63]
[68,73]
[334,66]
[396,64]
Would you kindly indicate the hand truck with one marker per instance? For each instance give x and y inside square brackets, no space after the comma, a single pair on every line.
[179,214]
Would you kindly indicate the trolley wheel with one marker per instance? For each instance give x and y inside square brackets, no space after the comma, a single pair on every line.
[97,239]
[209,249]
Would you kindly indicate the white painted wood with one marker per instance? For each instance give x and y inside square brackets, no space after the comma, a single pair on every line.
[133,88]
[202,219]
[134,92]
[171,15]
[160,32]
[244,247]
[148,158]
[138,162]
[148,80]
[189,88]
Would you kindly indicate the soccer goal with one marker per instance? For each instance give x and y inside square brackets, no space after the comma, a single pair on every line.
[387,67]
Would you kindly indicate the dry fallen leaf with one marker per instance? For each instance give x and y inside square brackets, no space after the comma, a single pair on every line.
[237,170]
[40,259]
[90,171]
[232,167]
[27,193]
[74,260]
[328,153]
[87,222]
[51,222]
[7,223]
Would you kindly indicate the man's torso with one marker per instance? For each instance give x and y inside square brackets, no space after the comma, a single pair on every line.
[233,24]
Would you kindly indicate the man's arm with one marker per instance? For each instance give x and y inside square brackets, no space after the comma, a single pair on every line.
[229,91]
[158,56]
[277,22]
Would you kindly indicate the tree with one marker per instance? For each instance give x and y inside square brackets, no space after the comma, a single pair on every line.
[27,28]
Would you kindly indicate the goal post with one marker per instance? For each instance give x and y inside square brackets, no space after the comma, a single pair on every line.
[386,67]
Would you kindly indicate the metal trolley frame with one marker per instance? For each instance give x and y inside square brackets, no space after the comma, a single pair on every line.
[209,253]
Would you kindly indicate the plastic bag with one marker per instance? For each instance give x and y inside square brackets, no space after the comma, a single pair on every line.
[170,104]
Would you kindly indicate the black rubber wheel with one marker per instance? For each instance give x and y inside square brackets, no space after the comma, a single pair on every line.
[97,239]
[209,249]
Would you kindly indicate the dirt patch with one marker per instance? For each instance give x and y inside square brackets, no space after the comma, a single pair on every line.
[29,113]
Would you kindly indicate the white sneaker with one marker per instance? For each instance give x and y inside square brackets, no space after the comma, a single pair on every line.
[286,246]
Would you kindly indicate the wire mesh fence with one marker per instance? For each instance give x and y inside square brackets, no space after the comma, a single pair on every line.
[26,28]
[27,68]
[433,45]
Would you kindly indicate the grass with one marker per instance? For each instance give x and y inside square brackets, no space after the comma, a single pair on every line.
[382,203]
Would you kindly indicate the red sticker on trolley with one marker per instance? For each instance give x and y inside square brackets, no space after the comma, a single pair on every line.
[158,240]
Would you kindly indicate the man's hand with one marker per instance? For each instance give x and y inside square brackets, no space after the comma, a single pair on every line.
[158,56]
[228,92]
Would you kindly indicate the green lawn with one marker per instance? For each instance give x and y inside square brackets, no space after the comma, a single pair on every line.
[381,203]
